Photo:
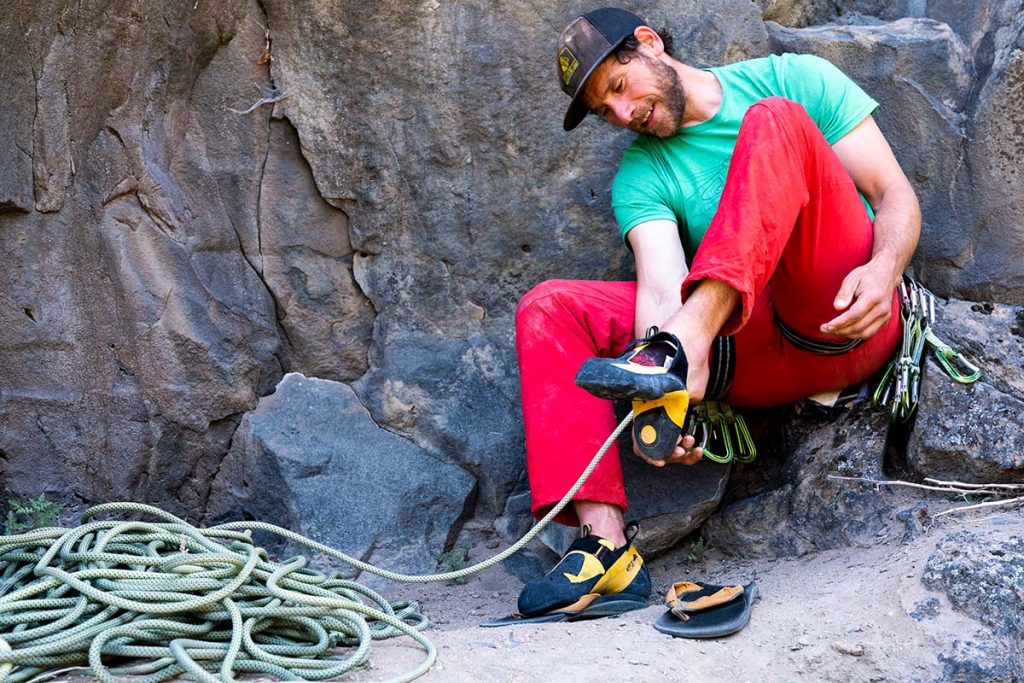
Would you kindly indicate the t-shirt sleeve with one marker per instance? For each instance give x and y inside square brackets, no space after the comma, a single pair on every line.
[831,98]
[637,196]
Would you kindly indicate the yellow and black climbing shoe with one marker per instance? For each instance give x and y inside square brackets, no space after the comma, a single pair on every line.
[652,373]
[593,579]
[648,369]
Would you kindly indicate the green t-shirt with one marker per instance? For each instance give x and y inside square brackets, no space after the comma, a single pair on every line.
[680,178]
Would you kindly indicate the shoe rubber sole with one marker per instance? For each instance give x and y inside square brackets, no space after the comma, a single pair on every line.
[603,606]
[603,379]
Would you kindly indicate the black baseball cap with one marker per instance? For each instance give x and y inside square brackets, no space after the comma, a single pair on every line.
[584,44]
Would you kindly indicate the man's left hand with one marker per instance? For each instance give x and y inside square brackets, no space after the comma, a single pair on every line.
[686,452]
[865,297]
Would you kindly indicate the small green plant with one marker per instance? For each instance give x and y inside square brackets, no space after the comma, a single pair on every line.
[455,559]
[32,514]
[697,550]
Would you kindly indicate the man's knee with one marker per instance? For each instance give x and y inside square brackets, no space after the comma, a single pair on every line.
[776,108]
[541,295]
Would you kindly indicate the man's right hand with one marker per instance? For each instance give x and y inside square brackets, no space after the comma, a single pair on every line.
[685,453]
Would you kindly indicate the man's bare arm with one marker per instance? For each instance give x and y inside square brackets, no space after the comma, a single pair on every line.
[865,295]
[660,270]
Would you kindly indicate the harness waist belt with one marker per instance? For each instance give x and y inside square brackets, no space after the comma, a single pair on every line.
[723,367]
[822,348]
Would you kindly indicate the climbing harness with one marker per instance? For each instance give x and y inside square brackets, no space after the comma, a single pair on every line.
[170,600]
[899,389]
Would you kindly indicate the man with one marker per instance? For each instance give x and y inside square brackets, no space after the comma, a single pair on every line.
[770,223]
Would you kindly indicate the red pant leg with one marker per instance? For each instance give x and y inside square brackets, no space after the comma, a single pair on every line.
[789,227]
[770,371]
[559,325]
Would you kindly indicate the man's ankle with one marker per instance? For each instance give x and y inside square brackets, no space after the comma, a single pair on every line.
[605,520]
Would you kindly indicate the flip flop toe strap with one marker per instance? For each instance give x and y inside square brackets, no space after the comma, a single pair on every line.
[684,597]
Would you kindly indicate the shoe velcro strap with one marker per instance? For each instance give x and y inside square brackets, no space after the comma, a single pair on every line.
[595,545]
[702,597]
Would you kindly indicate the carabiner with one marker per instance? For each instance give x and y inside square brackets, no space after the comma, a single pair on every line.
[948,357]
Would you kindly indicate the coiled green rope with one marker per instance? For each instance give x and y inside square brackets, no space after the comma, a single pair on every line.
[163,599]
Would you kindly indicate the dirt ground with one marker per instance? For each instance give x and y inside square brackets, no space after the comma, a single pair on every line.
[840,615]
[855,615]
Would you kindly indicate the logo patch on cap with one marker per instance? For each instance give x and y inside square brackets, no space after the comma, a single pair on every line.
[567,63]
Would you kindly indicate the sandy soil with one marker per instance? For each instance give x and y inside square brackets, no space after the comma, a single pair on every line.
[859,614]
[841,615]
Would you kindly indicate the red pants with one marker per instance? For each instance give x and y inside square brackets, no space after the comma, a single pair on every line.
[790,226]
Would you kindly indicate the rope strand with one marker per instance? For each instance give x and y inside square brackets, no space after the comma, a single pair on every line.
[165,599]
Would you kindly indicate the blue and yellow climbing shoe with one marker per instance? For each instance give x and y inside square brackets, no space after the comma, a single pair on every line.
[593,579]
[652,373]
[648,369]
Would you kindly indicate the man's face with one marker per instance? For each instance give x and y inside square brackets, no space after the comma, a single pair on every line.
[644,95]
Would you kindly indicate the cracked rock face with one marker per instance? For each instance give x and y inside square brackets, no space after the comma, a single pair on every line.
[168,259]
[975,432]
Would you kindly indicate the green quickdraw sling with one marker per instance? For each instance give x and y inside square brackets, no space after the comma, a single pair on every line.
[721,432]
[899,389]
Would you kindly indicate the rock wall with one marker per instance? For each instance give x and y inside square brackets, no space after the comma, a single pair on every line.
[199,197]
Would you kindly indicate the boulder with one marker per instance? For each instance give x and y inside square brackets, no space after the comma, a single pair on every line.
[982,658]
[810,510]
[975,432]
[311,459]
[982,577]
[670,503]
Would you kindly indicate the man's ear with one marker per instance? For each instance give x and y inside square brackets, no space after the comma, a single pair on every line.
[649,37]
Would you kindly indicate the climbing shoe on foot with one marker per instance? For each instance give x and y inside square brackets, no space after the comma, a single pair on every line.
[593,579]
[648,369]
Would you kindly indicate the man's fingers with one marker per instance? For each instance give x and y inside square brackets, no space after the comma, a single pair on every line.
[848,290]
[693,456]
[842,322]
[684,453]
[868,325]
[864,314]
[856,324]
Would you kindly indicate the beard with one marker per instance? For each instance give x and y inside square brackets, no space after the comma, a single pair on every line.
[670,101]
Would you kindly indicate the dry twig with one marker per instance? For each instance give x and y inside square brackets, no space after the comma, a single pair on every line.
[1011,487]
[270,95]
[897,482]
[960,488]
[987,504]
